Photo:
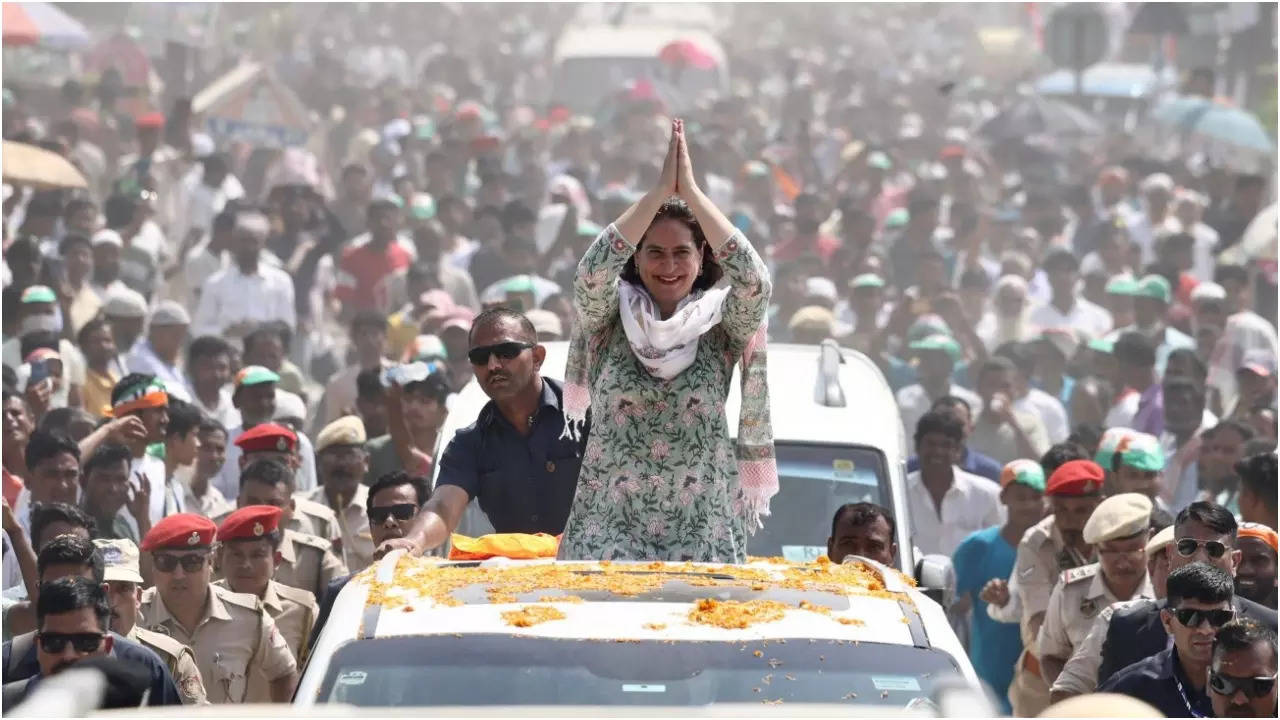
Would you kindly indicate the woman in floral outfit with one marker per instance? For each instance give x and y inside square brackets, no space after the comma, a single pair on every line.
[655,345]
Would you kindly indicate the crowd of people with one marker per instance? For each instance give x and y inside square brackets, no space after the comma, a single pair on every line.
[227,368]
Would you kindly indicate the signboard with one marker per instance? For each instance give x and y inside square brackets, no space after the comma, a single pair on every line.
[1076,37]
[250,105]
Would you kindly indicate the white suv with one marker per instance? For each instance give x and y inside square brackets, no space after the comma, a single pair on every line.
[422,632]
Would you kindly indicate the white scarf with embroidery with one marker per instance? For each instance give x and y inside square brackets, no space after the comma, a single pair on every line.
[667,347]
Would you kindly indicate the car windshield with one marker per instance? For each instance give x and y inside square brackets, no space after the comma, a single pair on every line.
[502,669]
[813,481]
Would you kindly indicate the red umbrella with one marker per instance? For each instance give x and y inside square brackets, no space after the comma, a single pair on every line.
[686,52]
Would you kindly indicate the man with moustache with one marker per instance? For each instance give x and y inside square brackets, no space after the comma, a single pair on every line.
[1242,672]
[123,579]
[1119,530]
[238,649]
[1175,680]
[341,464]
[72,620]
[515,459]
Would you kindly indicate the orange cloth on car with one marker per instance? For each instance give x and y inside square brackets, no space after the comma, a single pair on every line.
[518,546]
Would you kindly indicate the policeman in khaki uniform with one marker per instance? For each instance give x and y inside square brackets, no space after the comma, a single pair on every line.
[306,560]
[248,550]
[1119,530]
[241,654]
[1080,675]
[278,442]
[1049,548]
[307,563]
[341,465]
[124,581]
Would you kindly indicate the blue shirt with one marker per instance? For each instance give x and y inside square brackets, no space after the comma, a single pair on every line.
[1159,682]
[525,484]
[973,462]
[994,646]
[163,689]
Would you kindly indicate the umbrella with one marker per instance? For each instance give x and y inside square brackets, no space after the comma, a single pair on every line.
[1216,121]
[1033,115]
[686,52]
[41,23]
[24,164]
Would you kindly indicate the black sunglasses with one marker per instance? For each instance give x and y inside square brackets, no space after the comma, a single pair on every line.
[1188,547]
[166,563]
[56,642]
[504,351]
[1192,618]
[401,511]
[1254,687]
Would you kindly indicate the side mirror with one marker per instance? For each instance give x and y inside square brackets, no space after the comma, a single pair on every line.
[936,578]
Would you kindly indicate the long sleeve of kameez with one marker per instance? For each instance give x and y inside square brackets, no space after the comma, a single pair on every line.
[748,301]
[595,286]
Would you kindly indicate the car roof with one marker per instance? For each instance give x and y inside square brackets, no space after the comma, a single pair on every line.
[402,596]
[794,410]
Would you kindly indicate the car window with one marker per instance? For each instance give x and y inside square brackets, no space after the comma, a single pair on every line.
[502,669]
[813,481]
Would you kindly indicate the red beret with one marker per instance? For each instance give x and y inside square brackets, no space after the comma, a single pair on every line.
[184,531]
[149,120]
[251,522]
[1078,477]
[267,437]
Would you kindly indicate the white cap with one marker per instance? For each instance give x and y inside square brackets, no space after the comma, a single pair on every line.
[1157,181]
[202,146]
[1208,291]
[820,287]
[170,312]
[289,406]
[107,237]
[123,302]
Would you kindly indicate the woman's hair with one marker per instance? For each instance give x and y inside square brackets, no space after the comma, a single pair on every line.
[675,209]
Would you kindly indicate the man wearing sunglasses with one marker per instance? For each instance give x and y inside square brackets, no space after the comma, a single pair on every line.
[72,615]
[241,655]
[1242,676]
[74,556]
[395,499]
[1203,532]
[515,459]
[1174,681]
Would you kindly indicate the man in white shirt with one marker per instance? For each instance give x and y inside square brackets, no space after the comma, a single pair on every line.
[255,398]
[158,354]
[1157,193]
[249,292]
[1032,400]
[1066,309]
[1188,208]
[145,397]
[203,192]
[937,354]
[947,503]
[209,367]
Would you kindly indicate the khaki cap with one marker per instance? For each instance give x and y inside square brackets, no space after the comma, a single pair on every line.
[119,561]
[346,430]
[1119,516]
[1160,541]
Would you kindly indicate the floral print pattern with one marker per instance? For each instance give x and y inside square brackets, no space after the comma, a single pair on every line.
[659,479]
